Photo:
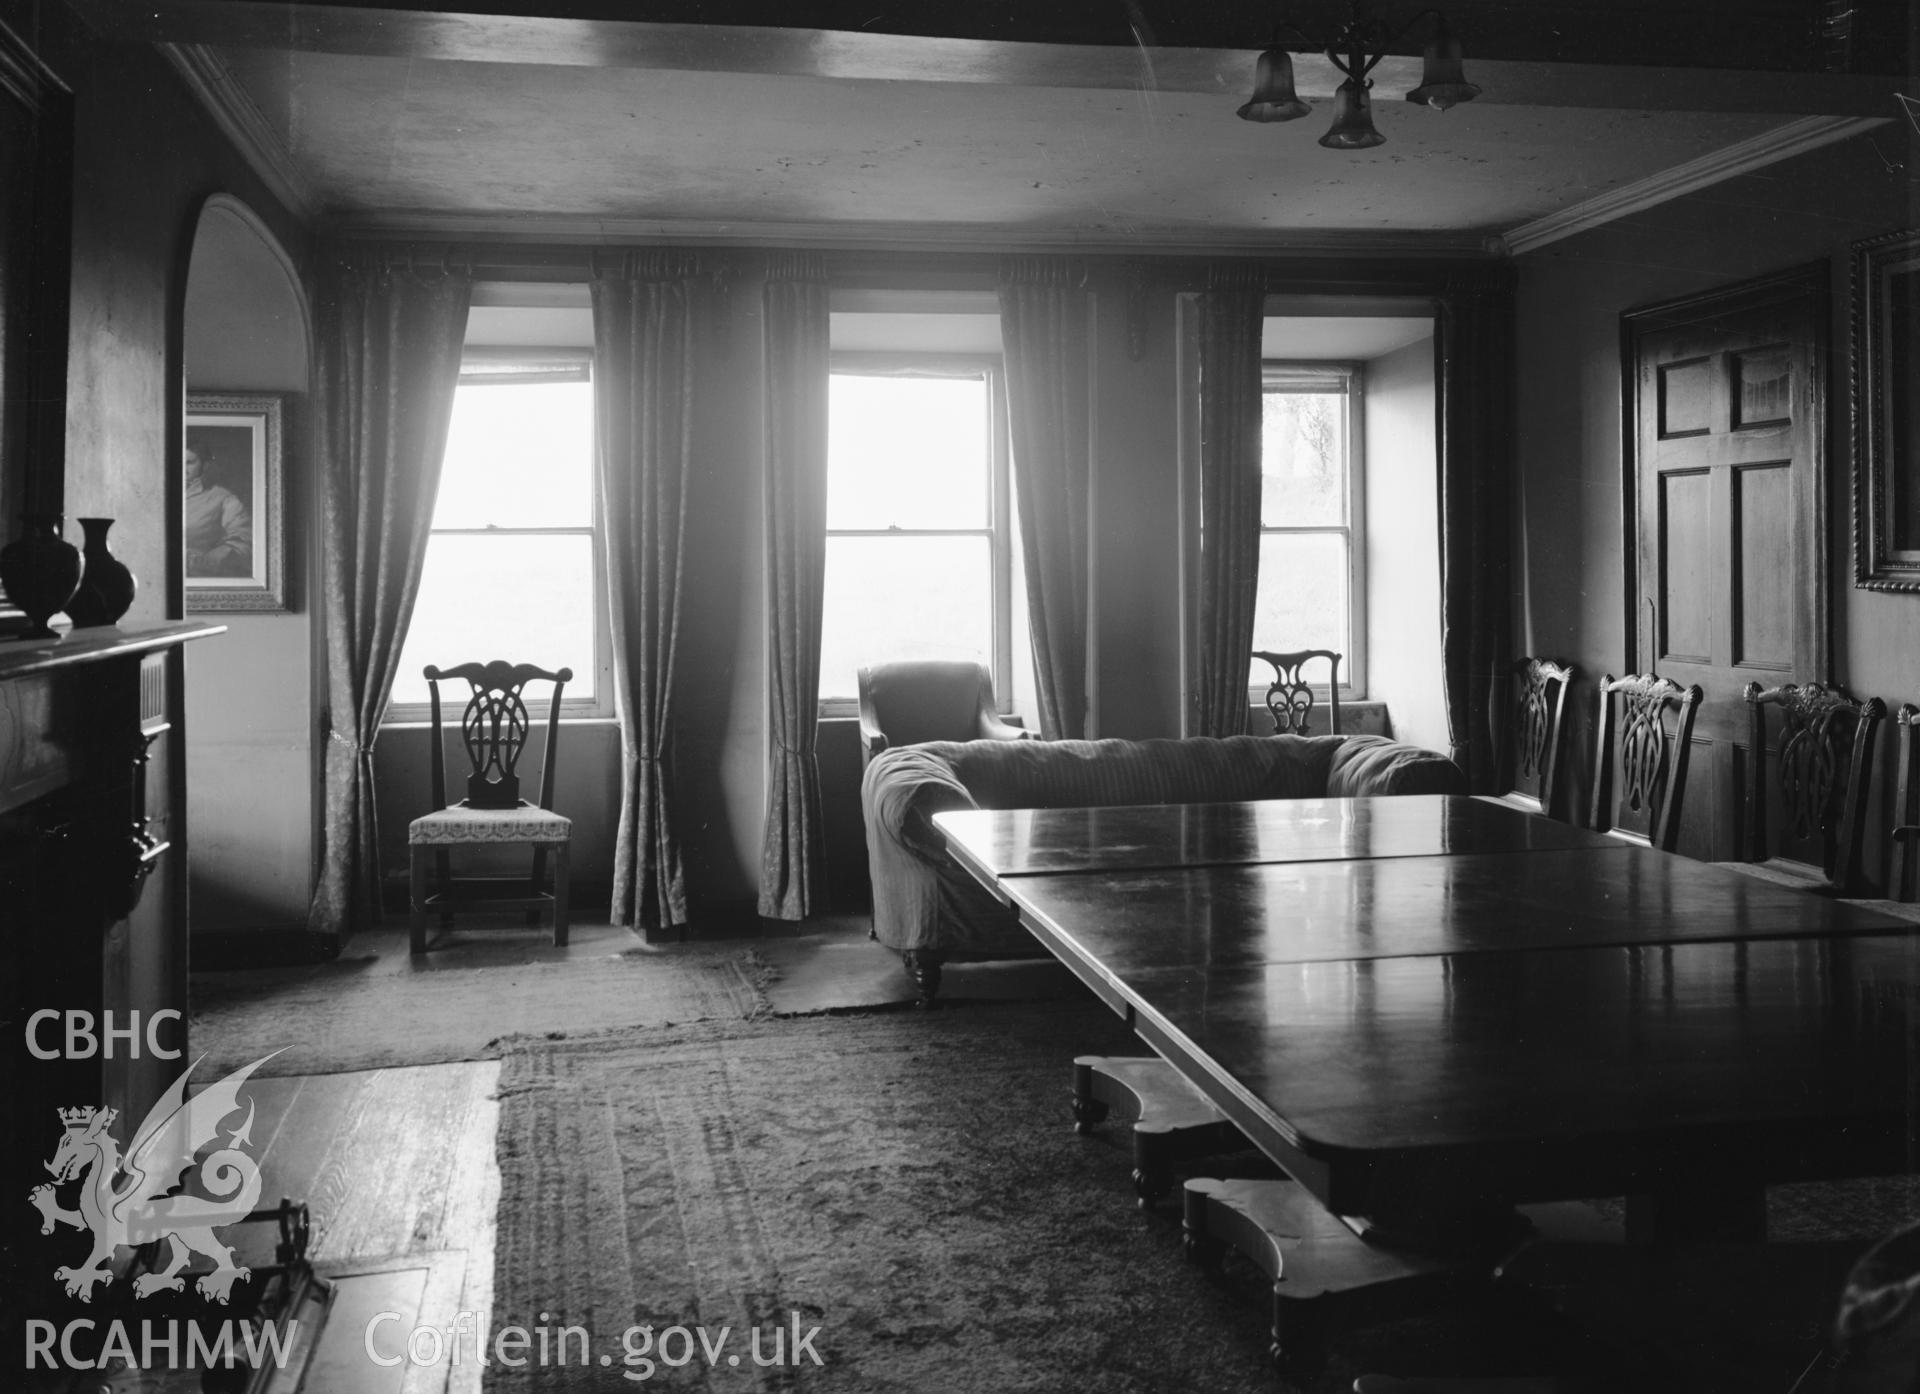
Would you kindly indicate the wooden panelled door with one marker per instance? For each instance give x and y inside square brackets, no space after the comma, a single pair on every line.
[1726,445]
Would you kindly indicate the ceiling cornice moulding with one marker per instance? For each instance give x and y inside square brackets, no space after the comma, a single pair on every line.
[227,102]
[588,229]
[1770,147]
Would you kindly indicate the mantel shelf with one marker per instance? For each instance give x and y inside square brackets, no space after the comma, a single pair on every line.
[21,658]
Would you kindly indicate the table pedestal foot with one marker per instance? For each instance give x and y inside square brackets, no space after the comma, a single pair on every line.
[1321,1270]
[1171,1119]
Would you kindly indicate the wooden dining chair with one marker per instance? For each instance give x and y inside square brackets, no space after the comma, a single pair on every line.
[1528,733]
[1290,697]
[1803,827]
[493,731]
[1655,728]
[1903,852]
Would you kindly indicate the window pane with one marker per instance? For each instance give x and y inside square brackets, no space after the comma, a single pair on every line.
[907,452]
[518,455]
[1303,454]
[1302,600]
[526,599]
[903,597]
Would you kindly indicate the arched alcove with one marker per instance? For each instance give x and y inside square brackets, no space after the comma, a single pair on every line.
[249,692]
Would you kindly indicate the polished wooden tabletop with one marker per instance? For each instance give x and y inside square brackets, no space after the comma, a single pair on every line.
[1222,917]
[1040,841]
[1578,1072]
[1411,1001]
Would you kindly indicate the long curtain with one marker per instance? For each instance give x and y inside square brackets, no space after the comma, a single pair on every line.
[388,342]
[644,310]
[1231,309]
[1476,572]
[1043,325]
[794,493]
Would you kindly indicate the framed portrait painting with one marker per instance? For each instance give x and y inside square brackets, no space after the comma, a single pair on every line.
[1886,412]
[233,516]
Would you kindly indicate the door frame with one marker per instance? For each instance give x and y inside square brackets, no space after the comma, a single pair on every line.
[1810,279]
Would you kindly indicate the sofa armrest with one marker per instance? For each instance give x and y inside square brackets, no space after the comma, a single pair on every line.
[1374,765]
[994,727]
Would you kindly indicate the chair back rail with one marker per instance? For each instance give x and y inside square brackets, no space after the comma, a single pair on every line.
[1652,759]
[1823,766]
[494,726]
[1290,699]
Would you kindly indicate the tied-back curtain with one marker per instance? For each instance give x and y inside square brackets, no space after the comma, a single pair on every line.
[644,308]
[1476,573]
[1043,323]
[389,341]
[1231,310]
[794,492]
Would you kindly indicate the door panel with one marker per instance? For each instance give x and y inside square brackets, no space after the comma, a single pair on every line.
[1685,601]
[1763,588]
[1725,453]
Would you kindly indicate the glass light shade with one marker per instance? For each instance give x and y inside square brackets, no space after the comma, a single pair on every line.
[1352,119]
[1443,80]
[1273,96]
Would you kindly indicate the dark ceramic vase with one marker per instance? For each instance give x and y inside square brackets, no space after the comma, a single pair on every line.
[107,587]
[41,571]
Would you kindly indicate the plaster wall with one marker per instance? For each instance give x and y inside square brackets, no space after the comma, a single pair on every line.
[249,704]
[1403,545]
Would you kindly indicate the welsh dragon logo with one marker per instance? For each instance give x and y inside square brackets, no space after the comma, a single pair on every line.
[135,1200]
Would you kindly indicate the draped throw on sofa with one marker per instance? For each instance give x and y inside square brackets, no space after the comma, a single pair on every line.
[1476,432]
[644,307]
[1043,327]
[794,492]
[389,338]
[1231,309]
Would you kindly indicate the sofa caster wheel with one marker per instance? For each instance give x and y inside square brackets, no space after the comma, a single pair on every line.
[924,968]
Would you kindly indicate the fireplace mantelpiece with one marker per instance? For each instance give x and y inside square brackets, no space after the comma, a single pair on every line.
[91,864]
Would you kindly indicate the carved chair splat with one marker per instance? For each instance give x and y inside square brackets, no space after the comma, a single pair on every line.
[1652,759]
[1290,697]
[1530,741]
[1824,765]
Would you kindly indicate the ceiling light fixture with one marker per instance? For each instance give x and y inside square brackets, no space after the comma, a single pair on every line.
[1354,49]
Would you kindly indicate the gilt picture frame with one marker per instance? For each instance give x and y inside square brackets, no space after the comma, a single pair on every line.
[1886,412]
[233,513]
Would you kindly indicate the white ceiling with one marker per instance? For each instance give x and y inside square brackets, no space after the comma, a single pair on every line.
[393,139]
[997,126]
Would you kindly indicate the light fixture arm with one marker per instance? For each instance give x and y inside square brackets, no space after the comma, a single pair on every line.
[1362,40]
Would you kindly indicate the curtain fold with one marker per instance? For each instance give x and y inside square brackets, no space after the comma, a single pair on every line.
[794,494]
[388,340]
[643,334]
[1475,374]
[1231,309]
[1043,326]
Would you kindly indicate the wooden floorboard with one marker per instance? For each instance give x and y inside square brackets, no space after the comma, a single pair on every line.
[397,1167]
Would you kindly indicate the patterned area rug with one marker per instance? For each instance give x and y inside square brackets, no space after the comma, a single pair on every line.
[908,1183]
[332,1017]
